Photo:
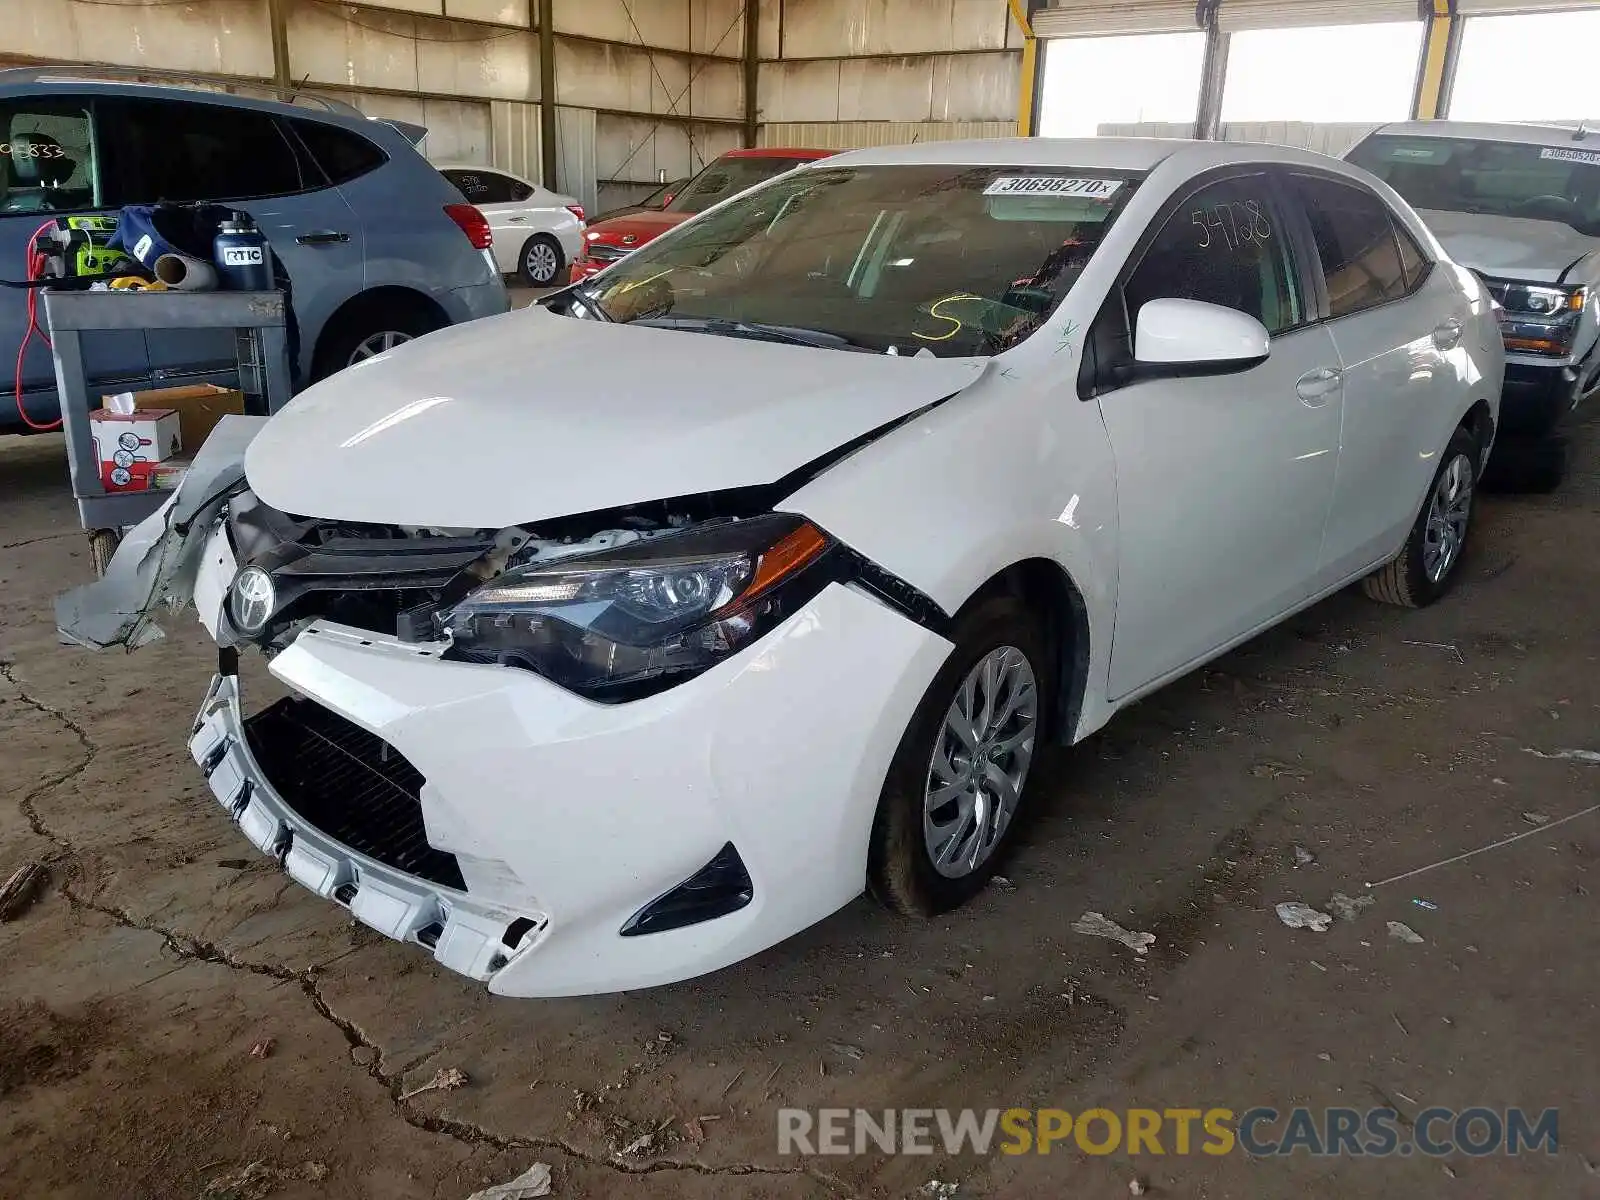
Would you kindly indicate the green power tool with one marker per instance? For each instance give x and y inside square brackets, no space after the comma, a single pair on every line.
[74,247]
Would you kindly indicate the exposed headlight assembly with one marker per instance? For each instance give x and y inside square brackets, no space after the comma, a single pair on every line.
[624,623]
[1541,320]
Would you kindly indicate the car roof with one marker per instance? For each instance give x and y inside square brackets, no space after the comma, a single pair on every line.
[176,86]
[1527,134]
[1098,153]
[776,152]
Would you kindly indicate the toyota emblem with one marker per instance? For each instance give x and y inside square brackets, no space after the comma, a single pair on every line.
[251,600]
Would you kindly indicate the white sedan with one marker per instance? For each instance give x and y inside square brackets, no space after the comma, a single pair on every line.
[900,466]
[537,232]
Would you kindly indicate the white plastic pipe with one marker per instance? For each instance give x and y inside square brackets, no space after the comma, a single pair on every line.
[185,274]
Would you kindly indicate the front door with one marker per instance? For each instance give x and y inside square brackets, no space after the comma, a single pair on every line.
[1223,482]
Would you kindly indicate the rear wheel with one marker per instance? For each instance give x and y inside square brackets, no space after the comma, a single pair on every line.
[541,261]
[1427,565]
[960,776]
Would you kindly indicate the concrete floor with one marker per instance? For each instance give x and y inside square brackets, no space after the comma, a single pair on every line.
[166,949]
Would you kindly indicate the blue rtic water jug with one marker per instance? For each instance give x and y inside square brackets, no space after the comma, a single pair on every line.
[240,252]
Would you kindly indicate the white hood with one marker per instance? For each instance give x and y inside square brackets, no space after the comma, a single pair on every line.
[528,416]
[1509,247]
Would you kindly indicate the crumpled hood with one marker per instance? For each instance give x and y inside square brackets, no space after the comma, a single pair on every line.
[527,416]
[1509,247]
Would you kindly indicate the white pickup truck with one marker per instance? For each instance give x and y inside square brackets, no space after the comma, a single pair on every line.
[1519,205]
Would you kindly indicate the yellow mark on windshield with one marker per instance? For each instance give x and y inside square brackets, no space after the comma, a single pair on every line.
[639,283]
[933,311]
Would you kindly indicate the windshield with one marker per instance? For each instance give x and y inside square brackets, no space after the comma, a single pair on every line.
[893,259]
[1502,179]
[728,177]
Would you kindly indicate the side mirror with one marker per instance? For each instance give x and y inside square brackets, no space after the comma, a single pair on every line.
[1190,337]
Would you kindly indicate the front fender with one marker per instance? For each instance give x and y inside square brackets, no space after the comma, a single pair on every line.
[156,564]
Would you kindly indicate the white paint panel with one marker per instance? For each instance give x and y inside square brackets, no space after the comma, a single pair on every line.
[501,12]
[1275,14]
[975,87]
[717,27]
[434,8]
[514,139]
[767,27]
[458,130]
[575,155]
[223,37]
[411,54]
[660,23]
[798,91]
[822,28]
[856,135]
[1469,7]
[717,90]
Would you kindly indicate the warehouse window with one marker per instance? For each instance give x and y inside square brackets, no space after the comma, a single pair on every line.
[1322,73]
[1092,82]
[1527,67]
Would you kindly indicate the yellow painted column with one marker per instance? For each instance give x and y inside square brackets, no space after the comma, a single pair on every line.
[1438,53]
[1028,84]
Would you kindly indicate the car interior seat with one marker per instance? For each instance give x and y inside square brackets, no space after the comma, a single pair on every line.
[38,168]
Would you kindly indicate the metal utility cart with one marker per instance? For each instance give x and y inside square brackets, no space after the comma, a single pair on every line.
[259,322]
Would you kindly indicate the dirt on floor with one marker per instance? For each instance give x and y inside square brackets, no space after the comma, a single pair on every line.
[178,1020]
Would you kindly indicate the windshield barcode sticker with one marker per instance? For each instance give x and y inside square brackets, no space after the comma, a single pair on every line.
[1580,156]
[1053,185]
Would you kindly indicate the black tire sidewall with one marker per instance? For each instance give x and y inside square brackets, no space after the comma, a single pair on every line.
[900,872]
[1424,590]
[540,239]
[334,354]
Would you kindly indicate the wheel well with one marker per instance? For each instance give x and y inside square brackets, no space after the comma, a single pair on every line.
[368,304]
[1480,421]
[1048,590]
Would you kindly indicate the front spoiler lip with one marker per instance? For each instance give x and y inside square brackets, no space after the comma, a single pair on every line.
[466,935]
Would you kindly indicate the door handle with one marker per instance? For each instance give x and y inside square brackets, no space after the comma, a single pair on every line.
[1448,335]
[1314,387]
[323,237]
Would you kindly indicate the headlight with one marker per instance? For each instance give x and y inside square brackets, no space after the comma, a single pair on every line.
[1547,301]
[623,623]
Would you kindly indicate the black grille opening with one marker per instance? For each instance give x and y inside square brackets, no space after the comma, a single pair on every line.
[351,785]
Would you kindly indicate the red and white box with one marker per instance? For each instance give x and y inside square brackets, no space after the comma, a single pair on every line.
[130,445]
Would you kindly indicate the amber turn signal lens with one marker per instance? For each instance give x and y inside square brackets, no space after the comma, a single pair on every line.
[788,555]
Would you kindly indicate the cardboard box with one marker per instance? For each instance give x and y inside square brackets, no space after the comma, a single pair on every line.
[199,408]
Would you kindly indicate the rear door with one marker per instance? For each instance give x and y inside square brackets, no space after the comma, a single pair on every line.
[49,167]
[1398,325]
[253,161]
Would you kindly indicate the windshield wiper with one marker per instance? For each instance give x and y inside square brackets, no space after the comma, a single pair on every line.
[793,335]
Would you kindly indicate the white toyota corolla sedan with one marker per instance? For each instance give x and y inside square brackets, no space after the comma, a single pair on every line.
[897,468]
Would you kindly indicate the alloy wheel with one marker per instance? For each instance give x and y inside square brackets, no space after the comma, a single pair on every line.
[1449,512]
[377,343]
[980,762]
[539,260]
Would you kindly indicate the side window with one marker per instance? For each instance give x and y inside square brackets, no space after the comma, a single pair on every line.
[1413,261]
[341,154]
[519,191]
[47,157]
[1225,246]
[481,187]
[1357,243]
[189,150]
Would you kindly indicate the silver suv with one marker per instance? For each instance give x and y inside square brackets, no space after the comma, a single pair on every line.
[378,246]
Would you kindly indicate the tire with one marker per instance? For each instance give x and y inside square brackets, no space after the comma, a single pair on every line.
[901,872]
[548,251]
[1415,578]
[368,331]
[1530,466]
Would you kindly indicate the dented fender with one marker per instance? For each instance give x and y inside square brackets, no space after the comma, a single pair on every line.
[156,564]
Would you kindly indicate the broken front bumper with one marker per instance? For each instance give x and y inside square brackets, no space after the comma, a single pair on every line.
[473,938]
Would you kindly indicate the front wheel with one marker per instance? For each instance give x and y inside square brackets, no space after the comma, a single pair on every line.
[960,776]
[1426,566]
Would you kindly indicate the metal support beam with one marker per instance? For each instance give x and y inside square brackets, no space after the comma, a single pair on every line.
[1028,80]
[278,23]
[1213,77]
[1436,73]
[547,92]
[752,68]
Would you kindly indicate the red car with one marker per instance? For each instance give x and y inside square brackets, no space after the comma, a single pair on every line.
[734,172]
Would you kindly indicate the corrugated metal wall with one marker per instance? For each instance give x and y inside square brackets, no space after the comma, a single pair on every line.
[904,67]
[857,135]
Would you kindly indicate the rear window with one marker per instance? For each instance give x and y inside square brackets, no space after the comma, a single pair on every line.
[728,177]
[342,154]
[1356,241]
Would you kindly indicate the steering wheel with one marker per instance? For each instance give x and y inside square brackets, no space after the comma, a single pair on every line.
[1545,202]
